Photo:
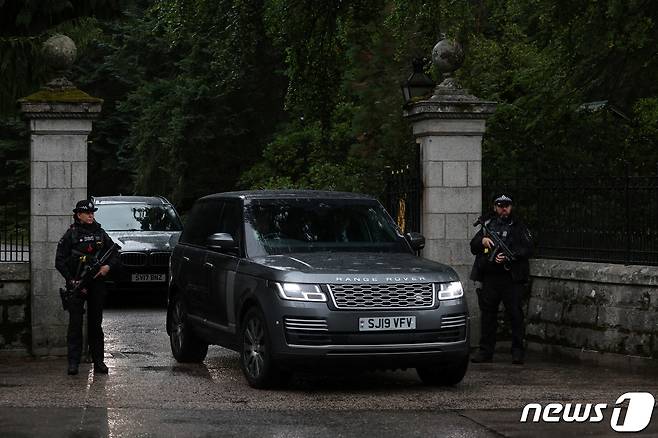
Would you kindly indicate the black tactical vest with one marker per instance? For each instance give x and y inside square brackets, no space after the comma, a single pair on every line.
[86,245]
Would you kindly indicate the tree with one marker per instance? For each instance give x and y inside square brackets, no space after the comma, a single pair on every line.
[346,122]
[202,120]
[542,61]
[24,26]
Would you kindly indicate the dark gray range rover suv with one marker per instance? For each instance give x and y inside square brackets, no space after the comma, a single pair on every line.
[299,278]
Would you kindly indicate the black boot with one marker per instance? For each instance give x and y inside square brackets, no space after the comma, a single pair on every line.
[100,367]
[73,369]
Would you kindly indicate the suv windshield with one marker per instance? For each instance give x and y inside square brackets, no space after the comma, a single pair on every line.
[305,225]
[138,217]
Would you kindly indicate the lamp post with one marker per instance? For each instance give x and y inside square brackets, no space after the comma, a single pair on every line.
[418,84]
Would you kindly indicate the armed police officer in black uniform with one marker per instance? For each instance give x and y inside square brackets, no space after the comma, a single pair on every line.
[503,276]
[83,243]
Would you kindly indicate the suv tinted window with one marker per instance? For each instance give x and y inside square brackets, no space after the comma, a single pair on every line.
[303,225]
[203,221]
[138,217]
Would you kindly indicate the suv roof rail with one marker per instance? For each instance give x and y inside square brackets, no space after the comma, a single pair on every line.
[134,198]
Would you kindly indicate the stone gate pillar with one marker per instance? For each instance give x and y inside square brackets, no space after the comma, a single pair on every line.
[59,117]
[449,127]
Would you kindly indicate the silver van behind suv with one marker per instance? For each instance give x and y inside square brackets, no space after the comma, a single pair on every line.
[295,279]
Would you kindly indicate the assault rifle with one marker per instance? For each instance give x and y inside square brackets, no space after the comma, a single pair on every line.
[88,273]
[499,246]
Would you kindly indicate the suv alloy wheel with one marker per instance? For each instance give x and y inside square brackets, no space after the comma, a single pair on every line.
[185,344]
[255,353]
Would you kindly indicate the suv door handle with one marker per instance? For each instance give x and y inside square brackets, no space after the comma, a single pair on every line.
[208,265]
[187,259]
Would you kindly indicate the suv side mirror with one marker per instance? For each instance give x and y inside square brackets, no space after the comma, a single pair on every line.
[416,240]
[221,241]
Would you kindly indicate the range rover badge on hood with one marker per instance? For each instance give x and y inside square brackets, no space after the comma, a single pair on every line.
[396,279]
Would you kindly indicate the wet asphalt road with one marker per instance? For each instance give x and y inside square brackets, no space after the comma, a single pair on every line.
[148,394]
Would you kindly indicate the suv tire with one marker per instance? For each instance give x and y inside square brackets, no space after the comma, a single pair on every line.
[186,346]
[256,359]
[442,375]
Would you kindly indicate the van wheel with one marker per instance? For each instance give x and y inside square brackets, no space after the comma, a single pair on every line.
[256,359]
[443,375]
[186,346]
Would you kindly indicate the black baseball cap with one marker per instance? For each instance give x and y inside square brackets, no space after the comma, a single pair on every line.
[84,206]
[502,200]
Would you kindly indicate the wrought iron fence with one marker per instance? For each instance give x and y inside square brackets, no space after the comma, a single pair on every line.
[403,194]
[14,229]
[14,191]
[587,218]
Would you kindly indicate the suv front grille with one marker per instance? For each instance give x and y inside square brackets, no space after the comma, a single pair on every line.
[382,296]
[133,258]
[159,258]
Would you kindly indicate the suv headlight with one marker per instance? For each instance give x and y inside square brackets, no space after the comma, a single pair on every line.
[300,292]
[450,291]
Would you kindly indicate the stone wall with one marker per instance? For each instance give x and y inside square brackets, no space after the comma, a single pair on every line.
[593,307]
[15,332]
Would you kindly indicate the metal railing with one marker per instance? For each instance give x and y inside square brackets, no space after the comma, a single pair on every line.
[587,218]
[15,230]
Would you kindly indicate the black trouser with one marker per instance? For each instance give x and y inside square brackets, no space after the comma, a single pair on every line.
[95,298]
[497,288]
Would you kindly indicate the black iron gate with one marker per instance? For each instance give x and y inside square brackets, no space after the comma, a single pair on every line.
[403,193]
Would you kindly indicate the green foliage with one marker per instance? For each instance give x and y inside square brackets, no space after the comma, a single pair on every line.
[641,146]
[24,26]
[197,96]
[542,60]
[203,96]
[32,17]
[343,94]
[14,174]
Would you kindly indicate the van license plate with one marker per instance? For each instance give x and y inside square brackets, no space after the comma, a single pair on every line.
[147,278]
[387,323]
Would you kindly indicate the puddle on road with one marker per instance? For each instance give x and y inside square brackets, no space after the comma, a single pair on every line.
[127,354]
[215,375]
[189,371]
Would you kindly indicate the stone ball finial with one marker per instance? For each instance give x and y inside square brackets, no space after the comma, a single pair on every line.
[447,55]
[59,52]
